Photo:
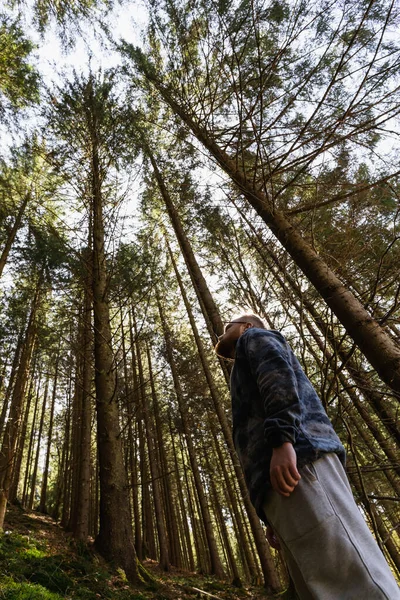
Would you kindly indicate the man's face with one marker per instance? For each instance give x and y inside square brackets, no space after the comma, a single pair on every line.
[227,341]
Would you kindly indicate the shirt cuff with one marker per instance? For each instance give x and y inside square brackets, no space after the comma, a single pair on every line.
[275,439]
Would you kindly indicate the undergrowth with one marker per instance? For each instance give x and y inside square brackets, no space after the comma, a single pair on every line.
[30,572]
[38,561]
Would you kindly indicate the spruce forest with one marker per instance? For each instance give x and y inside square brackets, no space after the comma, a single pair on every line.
[173,164]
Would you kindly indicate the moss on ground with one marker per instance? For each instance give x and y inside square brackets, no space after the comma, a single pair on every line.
[39,561]
[25,591]
[31,570]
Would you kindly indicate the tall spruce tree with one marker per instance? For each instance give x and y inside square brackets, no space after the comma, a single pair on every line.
[254,117]
[90,133]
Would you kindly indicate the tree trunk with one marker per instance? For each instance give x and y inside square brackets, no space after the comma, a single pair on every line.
[271,580]
[148,539]
[81,530]
[208,307]
[43,495]
[29,458]
[199,533]
[231,493]
[115,538]
[61,471]
[173,537]
[154,467]
[13,493]
[38,448]
[224,532]
[74,457]
[199,283]
[185,536]
[13,373]
[134,466]
[13,233]
[216,566]
[156,477]
[66,480]
[15,413]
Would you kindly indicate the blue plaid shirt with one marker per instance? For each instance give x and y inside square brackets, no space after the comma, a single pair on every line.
[274,402]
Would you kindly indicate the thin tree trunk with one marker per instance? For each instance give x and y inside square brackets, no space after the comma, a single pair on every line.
[66,483]
[173,537]
[61,471]
[216,566]
[208,307]
[224,532]
[74,459]
[154,468]
[156,477]
[187,543]
[13,233]
[231,493]
[81,530]
[38,448]
[199,533]
[199,283]
[12,496]
[187,505]
[14,370]
[148,529]
[29,458]
[43,495]
[134,470]
[96,500]
[14,418]
[129,449]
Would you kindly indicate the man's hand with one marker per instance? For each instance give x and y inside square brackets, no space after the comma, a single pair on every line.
[283,470]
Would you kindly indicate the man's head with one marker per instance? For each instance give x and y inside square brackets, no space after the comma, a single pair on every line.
[226,344]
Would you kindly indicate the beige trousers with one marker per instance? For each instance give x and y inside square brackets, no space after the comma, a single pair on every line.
[330,551]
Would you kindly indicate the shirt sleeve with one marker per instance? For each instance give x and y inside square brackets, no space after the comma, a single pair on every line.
[268,356]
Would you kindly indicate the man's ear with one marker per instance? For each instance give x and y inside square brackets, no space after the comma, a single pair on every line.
[248,325]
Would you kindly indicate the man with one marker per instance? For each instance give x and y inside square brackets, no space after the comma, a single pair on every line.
[293,463]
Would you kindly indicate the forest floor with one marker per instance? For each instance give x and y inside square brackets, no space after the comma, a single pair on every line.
[40,561]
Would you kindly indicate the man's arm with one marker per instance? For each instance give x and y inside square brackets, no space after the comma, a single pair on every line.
[270,364]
